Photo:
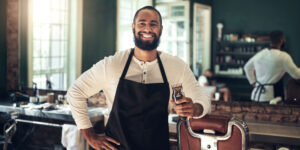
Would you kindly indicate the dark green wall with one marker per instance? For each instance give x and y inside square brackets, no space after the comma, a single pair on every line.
[23,64]
[261,16]
[99,31]
[2,47]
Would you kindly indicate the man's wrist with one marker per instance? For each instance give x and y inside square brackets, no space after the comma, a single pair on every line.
[198,109]
[88,133]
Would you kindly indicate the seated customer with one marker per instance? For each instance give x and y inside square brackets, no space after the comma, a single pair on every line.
[207,79]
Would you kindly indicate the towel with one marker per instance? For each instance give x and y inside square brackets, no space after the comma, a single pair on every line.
[71,138]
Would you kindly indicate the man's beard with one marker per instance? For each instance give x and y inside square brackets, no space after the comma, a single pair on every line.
[146,45]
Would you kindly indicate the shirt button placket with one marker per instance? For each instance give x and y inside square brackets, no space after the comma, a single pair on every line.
[144,73]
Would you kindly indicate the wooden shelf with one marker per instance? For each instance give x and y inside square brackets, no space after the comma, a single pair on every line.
[231,76]
[236,53]
[245,43]
[230,65]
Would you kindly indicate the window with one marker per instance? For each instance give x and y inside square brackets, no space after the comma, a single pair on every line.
[201,38]
[51,42]
[175,36]
[125,13]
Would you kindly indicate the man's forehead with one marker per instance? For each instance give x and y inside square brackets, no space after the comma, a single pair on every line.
[147,14]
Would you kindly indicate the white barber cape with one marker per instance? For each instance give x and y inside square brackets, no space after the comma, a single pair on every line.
[269,65]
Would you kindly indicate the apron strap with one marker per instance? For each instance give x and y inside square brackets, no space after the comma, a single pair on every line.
[127,64]
[161,68]
[260,88]
[159,63]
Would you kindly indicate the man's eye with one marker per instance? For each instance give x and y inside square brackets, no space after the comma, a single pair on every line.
[142,24]
[153,25]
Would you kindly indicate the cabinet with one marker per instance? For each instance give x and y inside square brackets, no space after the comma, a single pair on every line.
[231,56]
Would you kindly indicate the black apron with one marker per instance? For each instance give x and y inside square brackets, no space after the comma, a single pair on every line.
[139,116]
[278,89]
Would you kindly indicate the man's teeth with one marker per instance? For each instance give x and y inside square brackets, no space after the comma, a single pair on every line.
[147,36]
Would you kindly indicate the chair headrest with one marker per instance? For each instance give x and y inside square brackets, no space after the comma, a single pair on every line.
[212,122]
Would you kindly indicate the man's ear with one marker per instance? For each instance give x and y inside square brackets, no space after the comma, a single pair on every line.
[161,30]
[132,26]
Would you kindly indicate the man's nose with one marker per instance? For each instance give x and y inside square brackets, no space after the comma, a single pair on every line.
[147,28]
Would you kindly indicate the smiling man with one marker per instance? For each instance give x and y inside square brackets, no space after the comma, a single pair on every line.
[146,37]
[137,84]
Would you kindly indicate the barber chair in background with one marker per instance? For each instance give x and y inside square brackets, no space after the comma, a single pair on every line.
[212,133]
[293,90]
[9,129]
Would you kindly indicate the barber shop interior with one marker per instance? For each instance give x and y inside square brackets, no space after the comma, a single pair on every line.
[149,75]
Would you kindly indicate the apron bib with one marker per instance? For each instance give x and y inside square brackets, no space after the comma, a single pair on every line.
[139,115]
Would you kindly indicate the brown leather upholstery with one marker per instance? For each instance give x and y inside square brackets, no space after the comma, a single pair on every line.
[216,123]
[187,141]
[233,143]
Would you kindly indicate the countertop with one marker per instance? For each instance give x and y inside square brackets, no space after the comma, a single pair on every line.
[258,131]
[274,133]
[61,111]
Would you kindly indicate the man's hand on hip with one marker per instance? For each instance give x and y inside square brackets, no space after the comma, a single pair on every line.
[98,142]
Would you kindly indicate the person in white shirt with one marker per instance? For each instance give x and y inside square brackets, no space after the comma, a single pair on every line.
[267,67]
[208,79]
[137,84]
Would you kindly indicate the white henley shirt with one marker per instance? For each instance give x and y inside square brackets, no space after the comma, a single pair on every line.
[105,76]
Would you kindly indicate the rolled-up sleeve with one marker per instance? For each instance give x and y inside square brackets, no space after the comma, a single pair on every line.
[88,84]
[197,93]
[290,67]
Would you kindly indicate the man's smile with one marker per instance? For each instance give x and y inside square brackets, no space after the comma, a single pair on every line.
[146,36]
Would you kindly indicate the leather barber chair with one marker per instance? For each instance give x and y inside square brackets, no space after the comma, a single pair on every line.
[212,133]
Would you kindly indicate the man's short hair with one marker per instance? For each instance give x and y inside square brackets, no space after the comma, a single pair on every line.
[150,8]
[276,37]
